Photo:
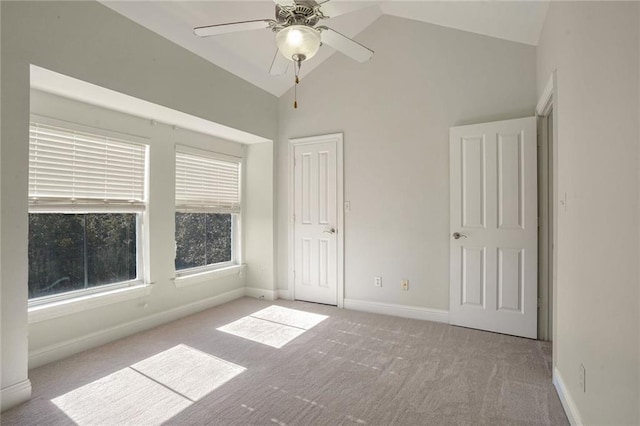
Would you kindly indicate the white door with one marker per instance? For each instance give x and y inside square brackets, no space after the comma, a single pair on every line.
[493,224]
[315,230]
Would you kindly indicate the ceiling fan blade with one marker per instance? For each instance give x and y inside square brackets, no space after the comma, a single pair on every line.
[232,27]
[345,45]
[279,65]
[336,8]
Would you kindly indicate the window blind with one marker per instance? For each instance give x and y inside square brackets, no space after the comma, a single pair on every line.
[206,183]
[69,168]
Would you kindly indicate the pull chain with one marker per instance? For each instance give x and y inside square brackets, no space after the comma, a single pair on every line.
[296,66]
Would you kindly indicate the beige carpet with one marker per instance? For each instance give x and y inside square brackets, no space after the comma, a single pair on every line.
[253,362]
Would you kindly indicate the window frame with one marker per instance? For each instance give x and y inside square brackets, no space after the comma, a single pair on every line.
[141,213]
[74,294]
[236,220]
[214,266]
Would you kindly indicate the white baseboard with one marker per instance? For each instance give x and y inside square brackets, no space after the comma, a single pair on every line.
[15,394]
[64,349]
[261,293]
[569,406]
[284,294]
[405,311]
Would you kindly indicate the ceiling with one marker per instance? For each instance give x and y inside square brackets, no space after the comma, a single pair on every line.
[249,54]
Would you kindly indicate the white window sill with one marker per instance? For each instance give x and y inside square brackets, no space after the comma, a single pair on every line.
[83,303]
[200,277]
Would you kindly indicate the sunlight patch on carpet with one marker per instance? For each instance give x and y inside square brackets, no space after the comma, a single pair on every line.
[124,397]
[149,392]
[290,317]
[188,371]
[261,331]
[274,326]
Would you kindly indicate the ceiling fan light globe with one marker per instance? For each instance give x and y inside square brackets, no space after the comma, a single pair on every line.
[298,41]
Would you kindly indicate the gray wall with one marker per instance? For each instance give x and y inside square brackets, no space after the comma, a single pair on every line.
[594,47]
[259,235]
[395,112]
[87,41]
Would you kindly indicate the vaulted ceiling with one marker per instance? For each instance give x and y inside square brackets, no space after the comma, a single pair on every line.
[249,54]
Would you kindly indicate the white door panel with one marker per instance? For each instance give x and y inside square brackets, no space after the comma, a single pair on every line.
[494,208]
[315,222]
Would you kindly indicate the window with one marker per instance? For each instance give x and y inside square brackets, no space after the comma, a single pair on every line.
[86,198]
[207,210]
[203,239]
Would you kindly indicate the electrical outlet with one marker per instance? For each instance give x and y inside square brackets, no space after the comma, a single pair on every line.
[404,285]
[583,378]
[377,281]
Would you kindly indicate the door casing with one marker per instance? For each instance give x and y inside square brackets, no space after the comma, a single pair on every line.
[337,139]
[546,110]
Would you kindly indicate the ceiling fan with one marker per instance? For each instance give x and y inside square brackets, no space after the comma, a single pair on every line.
[298,35]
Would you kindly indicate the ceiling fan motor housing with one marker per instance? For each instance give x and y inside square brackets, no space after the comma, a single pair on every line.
[300,13]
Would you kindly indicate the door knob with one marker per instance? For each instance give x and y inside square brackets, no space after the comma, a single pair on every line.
[329,231]
[458,235]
